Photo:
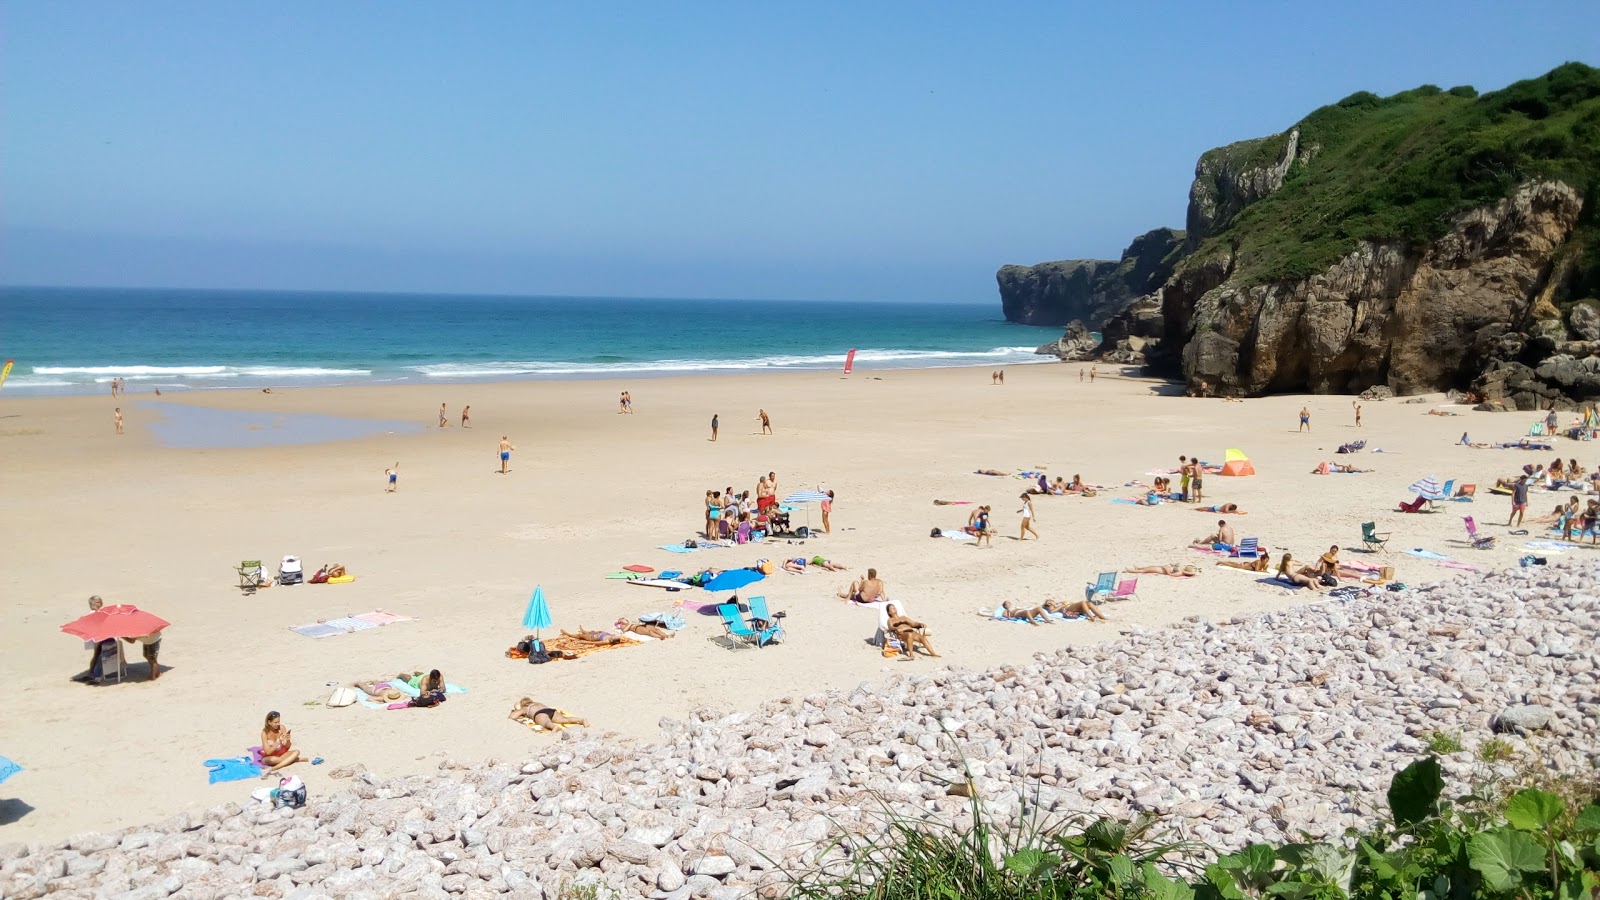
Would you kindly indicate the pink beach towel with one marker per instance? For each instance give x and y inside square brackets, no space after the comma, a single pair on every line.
[379,617]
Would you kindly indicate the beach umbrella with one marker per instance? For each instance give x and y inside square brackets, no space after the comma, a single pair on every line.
[537,615]
[799,497]
[1428,488]
[8,769]
[733,579]
[120,621]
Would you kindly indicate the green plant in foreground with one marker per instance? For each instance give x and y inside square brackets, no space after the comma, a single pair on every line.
[1535,845]
[1444,743]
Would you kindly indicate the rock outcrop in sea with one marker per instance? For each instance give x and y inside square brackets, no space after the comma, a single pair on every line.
[1088,290]
[1317,260]
[1256,728]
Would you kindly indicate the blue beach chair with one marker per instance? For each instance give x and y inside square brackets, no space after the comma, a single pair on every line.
[1249,548]
[759,613]
[735,627]
[1102,587]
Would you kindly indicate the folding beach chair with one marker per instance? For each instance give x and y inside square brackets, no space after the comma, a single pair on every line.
[1414,505]
[251,575]
[1371,537]
[1127,589]
[735,627]
[1446,492]
[1102,587]
[1479,541]
[761,618]
[1249,548]
[1465,493]
[1537,430]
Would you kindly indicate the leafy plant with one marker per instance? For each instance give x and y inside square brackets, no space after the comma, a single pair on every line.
[1444,743]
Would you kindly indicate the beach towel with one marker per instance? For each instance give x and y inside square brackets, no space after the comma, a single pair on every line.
[1420,553]
[348,624]
[1125,501]
[956,535]
[703,607]
[1549,545]
[585,648]
[236,768]
[1279,582]
[952,503]
[999,615]
[535,726]
[669,621]
[379,617]
[8,768]
[1461,565]
[412,692]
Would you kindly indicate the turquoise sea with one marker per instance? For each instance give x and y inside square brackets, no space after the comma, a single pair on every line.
[74,340]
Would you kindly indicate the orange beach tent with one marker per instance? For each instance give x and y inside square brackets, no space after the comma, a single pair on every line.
[1236,463]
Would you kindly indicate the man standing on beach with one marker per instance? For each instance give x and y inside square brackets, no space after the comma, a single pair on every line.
[466,417]
[505,453]
[117,414]
[714,427]
[1091,374]
[1358,412]
[1197,480]
[444,417]
[1183,478]
[1305,419]
[766,421]
[393,475]
[1519,501]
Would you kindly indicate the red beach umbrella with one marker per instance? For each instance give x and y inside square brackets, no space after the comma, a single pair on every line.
[119,621]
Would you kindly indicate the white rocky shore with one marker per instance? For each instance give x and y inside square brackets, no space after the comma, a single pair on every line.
[1256,728]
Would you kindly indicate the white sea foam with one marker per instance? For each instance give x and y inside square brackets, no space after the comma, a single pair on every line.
[101,374]
[907,358]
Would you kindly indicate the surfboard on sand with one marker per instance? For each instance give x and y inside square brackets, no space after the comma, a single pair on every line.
[667,583]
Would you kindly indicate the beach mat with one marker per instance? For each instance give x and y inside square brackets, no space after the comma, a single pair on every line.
[957,535]
[235,768]
[664,583]
[348,624]
[584,648]
[1420,553]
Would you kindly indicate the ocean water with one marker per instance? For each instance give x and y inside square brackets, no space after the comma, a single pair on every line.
[74,340]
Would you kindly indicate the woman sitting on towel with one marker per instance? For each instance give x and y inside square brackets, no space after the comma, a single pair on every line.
[1080,609]
[652,631]
[910,633]
[1174,569]
[277,745]
[431,690]
[1075,485]
[547,717]
[1304,577]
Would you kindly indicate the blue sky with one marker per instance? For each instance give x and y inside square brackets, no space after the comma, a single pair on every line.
[895,151]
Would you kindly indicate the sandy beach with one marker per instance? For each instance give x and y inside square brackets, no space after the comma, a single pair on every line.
[460,547]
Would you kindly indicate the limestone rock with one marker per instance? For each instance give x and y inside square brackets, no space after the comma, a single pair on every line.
[1088,290]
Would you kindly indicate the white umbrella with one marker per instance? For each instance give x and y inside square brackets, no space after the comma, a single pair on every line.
[1428,488]
[806,497]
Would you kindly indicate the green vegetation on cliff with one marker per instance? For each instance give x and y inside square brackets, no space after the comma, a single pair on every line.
[1401,167]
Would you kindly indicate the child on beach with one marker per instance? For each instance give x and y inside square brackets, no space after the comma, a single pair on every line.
[393,476]
[505,454]
[466,417]
[118,419]
[714,425]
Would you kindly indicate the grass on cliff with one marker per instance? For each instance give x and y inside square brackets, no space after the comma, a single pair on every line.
[1401,167]
[1504,840]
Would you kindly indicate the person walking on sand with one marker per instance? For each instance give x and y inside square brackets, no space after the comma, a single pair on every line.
[766,421]
[1080,374]
[393,476]
[627,402]
[714,426]
[444,417]
[1027,520]
[1002,376]
[1358,412]
[466,417]
[827,507]
[622,403]
[117,419]
[505,454]
[1519,501]
[1305,419]
[1092,371]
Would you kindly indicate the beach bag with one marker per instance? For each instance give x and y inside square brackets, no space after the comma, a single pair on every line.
[892,648]
[1328,580]
[935,533]
[343,696]
[291,793]
[536,652]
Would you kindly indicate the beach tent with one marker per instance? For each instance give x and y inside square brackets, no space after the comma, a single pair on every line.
[1236,463]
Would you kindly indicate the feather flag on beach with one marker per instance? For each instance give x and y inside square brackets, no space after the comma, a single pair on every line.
[537,615]
[849,360]
[6,372]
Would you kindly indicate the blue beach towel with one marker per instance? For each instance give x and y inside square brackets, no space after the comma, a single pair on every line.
[8,768]
[236,768]
[677,548]
[1420,553]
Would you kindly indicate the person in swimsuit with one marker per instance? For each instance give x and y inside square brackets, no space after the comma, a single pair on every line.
[1259,564]
[1027,520]
[1305,419]
[870,589]
[1358,412]
[1229,508]
[505,454]
[714,426]
[1197,474]
[1176,570]
[466,417]
[594,637]
[444,417]
[546,717]
[1035,616]
[1300,578]
[910,633]
[627,626]
[827,509]
[393,474]
[980,527]
[827,564]
[766,421]
[1082,609]
[1183,478]
[796,565]
[430,688]
[622,403]
[277,750]
[1328,563]
[1224,535]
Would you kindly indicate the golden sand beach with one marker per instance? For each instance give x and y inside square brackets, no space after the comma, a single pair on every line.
[460,547]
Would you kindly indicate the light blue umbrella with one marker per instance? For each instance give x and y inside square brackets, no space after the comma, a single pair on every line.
[1428,488]
[806,497]
[537,615]
[732,580]
[8,769]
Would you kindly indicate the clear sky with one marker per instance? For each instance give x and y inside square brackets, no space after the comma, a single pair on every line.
[849,150]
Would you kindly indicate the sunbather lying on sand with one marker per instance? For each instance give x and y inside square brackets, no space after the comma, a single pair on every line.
[1231,509]
[1336,468]
[1176,570]
[1082,609]
[1259,564]
[627,626]
[594,637]
[827,564]
[1305,576]
[384,694]
[1035,616]
[546,717]
[992,472]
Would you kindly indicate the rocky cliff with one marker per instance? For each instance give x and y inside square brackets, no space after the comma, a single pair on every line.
[1426,241]
[1089,290]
